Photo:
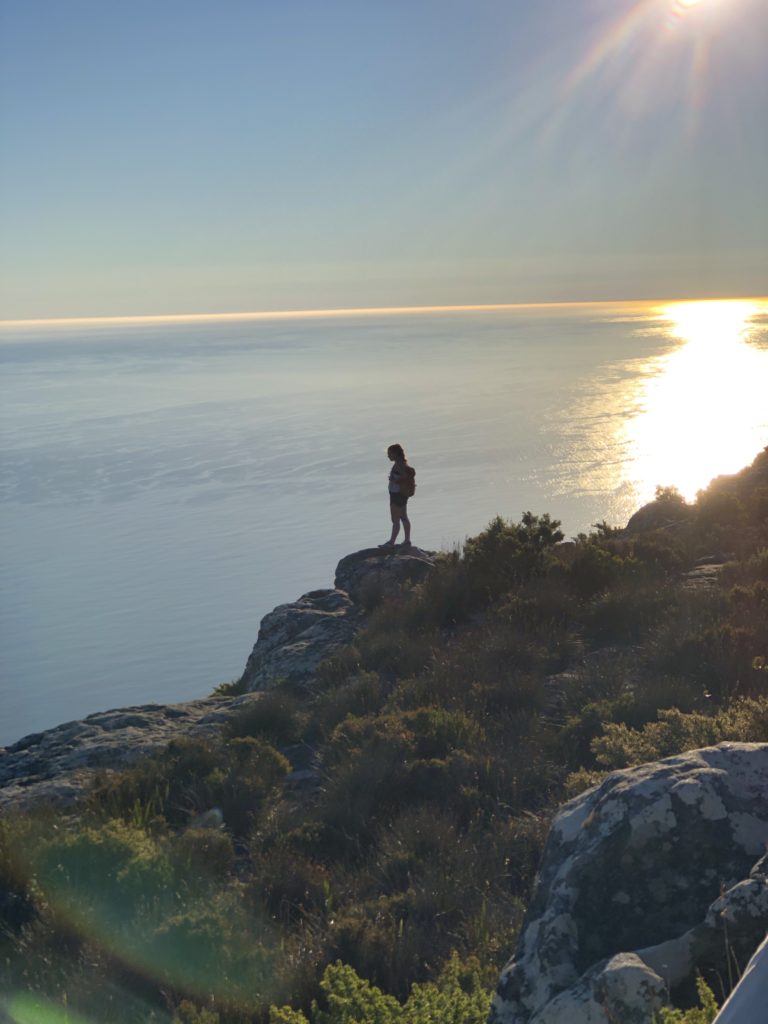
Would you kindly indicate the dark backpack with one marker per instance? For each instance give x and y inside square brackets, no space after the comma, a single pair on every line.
[407,482]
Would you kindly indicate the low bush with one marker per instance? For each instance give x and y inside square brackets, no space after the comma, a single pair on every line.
[593,569]
[627,613]
[395,652]
[277,716]
[286,884]
[457,996]
[675,732]
[360,694]
[215,949]
[508,554]
[704,1013]
[192,778]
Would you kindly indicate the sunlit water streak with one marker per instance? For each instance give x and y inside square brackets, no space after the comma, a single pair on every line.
[164,486]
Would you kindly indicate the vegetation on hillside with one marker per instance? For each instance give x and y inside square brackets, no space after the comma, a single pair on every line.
[212,882]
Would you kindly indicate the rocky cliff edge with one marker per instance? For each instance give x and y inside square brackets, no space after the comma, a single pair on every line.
[59,764]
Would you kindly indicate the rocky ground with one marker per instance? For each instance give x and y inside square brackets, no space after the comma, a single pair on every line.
[58,765]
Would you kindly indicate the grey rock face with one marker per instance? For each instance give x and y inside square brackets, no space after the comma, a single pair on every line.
[649,864]
[58,765]
[294,638]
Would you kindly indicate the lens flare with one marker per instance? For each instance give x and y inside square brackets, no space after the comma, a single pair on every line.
[27,1009]
[656,53]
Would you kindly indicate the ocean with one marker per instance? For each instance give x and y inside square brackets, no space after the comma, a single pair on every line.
[164,484]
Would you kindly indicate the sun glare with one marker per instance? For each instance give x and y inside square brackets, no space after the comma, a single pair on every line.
[655,52]
[700,409]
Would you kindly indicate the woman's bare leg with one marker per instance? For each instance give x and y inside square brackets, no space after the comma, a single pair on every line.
[406,524]
[396,513]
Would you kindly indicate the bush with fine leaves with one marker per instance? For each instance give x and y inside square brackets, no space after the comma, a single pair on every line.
[456,997]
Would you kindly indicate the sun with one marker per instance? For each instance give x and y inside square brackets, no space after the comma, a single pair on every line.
[682,7]
[655,53]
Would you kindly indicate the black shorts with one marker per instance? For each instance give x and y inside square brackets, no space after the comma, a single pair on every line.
[398,500]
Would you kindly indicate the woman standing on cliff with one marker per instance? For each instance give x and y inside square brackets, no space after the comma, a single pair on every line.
[401,487]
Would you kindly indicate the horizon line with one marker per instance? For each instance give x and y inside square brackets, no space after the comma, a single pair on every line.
[287,314]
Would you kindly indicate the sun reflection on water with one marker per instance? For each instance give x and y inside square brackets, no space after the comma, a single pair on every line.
[699,410]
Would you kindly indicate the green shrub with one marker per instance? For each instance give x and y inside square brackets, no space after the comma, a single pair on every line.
[675,732]
[627,613]
[396,652]
[214,949]
[289,886]
[580,781]
[18,839]
[276,716]
[593,569]
[358,695]
[719,658]
[254,770]
[188,1013]
[336,669]
[190,778]
[705,1013]
[105,873]
[659,553]
[233,688]
[202,856]
[458,996]
[508,553]
[752,569]
[446,597]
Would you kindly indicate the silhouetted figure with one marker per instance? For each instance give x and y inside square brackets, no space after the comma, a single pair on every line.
[402,484]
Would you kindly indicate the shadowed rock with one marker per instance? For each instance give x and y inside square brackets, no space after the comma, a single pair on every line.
[295,638]
[375,572]
[638,877]
[660,515]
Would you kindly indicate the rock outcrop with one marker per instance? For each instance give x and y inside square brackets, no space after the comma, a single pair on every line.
[640,878]
[294,638]
[375,572]
[59,764]
[661,514]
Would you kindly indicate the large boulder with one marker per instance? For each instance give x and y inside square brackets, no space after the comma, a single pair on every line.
[662,514]
[295,638]
[639,879]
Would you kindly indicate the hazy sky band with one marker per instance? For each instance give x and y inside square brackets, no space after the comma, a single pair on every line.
[256,155]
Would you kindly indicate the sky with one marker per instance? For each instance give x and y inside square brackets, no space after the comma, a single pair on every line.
[205,156]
